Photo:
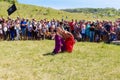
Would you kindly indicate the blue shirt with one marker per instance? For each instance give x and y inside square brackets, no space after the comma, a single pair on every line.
[23,22]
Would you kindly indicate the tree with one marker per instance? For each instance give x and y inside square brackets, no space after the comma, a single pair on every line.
[10,1]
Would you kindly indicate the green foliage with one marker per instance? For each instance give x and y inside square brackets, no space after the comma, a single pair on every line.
[10,1]
[99,11]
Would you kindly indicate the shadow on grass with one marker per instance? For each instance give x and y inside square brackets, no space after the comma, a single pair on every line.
[48,54]
[52,54]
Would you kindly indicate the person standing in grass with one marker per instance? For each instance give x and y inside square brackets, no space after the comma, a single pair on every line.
[87,31]
[1,32]
[83,28]
[5,29]
[30,27]
[92,32]
[12,30]
[71,24]
[17,26]
[118,30]
[23,28]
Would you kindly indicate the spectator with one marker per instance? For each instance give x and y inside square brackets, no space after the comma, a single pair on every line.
[92,32]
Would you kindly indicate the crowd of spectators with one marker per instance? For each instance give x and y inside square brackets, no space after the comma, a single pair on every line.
[92,31]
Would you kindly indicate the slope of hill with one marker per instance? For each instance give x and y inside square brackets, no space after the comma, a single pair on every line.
[31,11]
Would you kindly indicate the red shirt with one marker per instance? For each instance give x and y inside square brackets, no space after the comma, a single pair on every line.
[71,24]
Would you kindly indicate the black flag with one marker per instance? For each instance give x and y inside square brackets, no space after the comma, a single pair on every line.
[11,9]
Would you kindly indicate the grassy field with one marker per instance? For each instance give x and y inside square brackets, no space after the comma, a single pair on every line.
[30,60]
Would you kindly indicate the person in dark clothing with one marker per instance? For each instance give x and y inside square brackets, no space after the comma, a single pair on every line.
[107,27]
[12,32]
[92,32]
[34,33]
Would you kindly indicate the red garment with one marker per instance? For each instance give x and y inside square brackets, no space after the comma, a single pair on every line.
[71,24]
[69,42]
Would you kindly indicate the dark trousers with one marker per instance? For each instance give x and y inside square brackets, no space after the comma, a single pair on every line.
[83,36]
[12,34]
[34,35]
[5,35]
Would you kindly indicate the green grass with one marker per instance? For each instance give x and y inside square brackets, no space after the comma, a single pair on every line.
[25,60]
[37,12]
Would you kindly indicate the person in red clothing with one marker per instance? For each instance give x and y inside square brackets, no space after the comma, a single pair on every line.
[71,24]
[69,40]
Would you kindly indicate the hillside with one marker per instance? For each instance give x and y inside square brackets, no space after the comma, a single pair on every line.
[31,11]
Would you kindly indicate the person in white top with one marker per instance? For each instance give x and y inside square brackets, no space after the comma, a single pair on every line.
[83,28]
[17,26]
[5,30]
[1,32]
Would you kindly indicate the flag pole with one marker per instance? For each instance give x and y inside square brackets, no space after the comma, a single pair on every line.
[11,9]
[17,8]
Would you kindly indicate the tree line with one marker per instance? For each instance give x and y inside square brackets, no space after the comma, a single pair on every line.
[10,1]
[99,11]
